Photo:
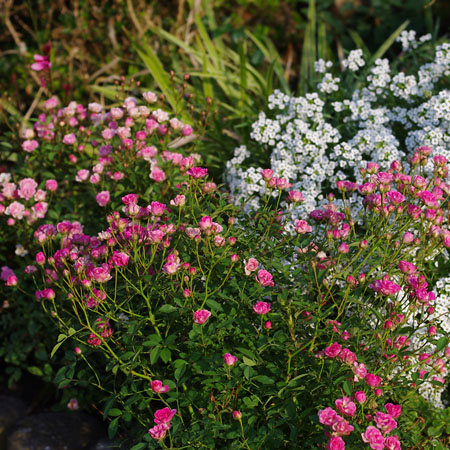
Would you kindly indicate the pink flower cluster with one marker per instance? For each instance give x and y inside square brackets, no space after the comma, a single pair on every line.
[162,419]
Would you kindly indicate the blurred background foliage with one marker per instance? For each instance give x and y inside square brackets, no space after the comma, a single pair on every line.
[236,51]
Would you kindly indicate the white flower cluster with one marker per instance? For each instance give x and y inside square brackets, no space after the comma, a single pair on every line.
[409,41]
[354,61]
[322,137]
[441,315]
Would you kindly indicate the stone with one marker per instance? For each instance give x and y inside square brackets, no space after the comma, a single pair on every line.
[105,444]
[55,431]
[11,410]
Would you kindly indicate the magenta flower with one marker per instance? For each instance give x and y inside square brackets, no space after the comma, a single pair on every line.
[385,287]
[119,259]
[345,406]
[41,63]
[229,359]
[360,397]
[101,274]
[264,278]
[373,437]
[30,145]
[201,316]
[103,198]
[267,174]
[250,266]
[327,416]
[158,387]
[261,308]
[159,431]
[164,415]
[197,172]
[336,443]
[341,427]
[237,415]
[333,350]
[395,197]
[392,443]
[385,422]
[302,226]
[394,410]
[373,380]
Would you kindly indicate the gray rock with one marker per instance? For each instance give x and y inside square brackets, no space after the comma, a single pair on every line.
[11,409]
[105,444]
[55,431]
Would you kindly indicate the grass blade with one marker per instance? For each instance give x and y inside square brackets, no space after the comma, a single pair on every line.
[155,67]
[388,42]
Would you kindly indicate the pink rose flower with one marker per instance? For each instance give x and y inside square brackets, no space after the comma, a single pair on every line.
[16,210]
[336,443]
[327,416]
[69,139]
[103,198]
[261,308]
[197,172]
[264,278]
[158,387]
[101,274]
[164,415]
[229,359]
[394,410]
[159,431]
[373,380]
[302,226]
[119,259]
[341,427]
[345,406]
[385,287]
[392,443]
[201,316]
[333,350]
[157,175]
[250,266]
[373,437]
[30,145]
[27,188]
[360,397]
[385,422]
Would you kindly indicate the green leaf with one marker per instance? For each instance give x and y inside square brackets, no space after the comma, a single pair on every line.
[154,355]
[115,412]
[441,343]
[165,354]
[167,309]
[112,429]
[35,371]
[248,361]
[139,446]
[347,388]
[214,305]
[179,372]
[264,379]
[152,340]
[55,348]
